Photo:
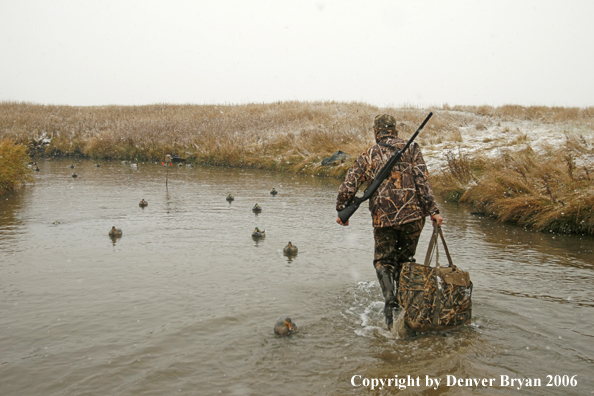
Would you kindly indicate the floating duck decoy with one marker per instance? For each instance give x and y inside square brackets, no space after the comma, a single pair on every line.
[134,165]
[71,166]
[257,208]
[290,249]
[258,234]
[273,192]
[115,232]
[74,174]
[189,165]
[175,159]
[36,169]
[97,165]
[143,203]
[230,198]
[284,327]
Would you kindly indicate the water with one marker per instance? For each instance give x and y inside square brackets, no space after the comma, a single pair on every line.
[185,302]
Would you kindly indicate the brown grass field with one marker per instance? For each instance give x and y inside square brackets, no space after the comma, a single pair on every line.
[481,155]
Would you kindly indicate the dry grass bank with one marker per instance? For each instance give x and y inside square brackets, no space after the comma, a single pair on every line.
[505,160]
[286,136]
[546,192]
[14,171]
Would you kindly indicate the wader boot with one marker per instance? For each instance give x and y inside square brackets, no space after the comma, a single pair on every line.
[386,280]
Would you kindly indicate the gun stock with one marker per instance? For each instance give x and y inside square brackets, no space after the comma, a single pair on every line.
[348,211]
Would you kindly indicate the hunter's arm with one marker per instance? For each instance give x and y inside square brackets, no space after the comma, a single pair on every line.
[353,180]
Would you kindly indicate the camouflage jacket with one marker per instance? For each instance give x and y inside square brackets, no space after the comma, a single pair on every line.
[406,195]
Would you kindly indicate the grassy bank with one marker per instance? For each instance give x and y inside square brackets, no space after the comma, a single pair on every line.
[546,192]
[14,171]
[471,150]
[286,136]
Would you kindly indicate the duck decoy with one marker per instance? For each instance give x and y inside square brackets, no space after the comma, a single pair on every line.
[273,192]
[230,198]
[71,166]
[97,165]
[290,249]
[284,327]
[143,203]
[257,208]
[258,233]
[115,232]
[74,174]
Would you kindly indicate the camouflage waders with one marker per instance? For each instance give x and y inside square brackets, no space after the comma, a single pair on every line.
[393,246]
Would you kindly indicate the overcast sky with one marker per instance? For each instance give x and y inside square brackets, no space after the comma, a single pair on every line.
[386,53]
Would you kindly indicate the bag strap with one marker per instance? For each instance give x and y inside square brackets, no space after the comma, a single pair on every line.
[445,247]
[433,246]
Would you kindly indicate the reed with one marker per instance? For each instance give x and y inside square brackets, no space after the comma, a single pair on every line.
[285,136]
[544,114]
[546,192]
[14,171]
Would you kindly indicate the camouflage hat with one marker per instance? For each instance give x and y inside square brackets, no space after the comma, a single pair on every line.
[384,121]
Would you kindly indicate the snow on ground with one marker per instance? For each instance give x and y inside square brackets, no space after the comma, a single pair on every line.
[492,140]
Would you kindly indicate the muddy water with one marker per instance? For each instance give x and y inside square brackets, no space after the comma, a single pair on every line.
[185,301]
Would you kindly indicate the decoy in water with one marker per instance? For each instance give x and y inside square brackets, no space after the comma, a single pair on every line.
[257,208]
[143,203]
[74,174]
[36,169]
[115,232]
[97,165]
[71,166]
[290,249]
[284,327]
[258,234]
[134,165]
[273,192]
[230,198]
[189,165]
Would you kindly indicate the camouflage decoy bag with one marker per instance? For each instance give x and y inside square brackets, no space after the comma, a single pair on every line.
[434,298]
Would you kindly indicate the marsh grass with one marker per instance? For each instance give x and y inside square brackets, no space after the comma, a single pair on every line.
[547,192]
[284,136]
[14,171]
[544,114]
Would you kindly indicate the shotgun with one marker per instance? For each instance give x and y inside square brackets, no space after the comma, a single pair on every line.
[354,204]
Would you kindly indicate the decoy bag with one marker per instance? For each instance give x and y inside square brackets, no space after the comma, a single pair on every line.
[434,298]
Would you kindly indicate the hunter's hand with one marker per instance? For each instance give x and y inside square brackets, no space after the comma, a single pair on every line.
[437,218]
[341,223]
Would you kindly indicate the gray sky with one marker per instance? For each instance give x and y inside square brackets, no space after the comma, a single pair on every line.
[387,53]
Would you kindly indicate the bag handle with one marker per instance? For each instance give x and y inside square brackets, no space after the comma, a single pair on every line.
[433,246]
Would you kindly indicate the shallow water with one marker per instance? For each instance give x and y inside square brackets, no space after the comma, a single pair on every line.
[185,302]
